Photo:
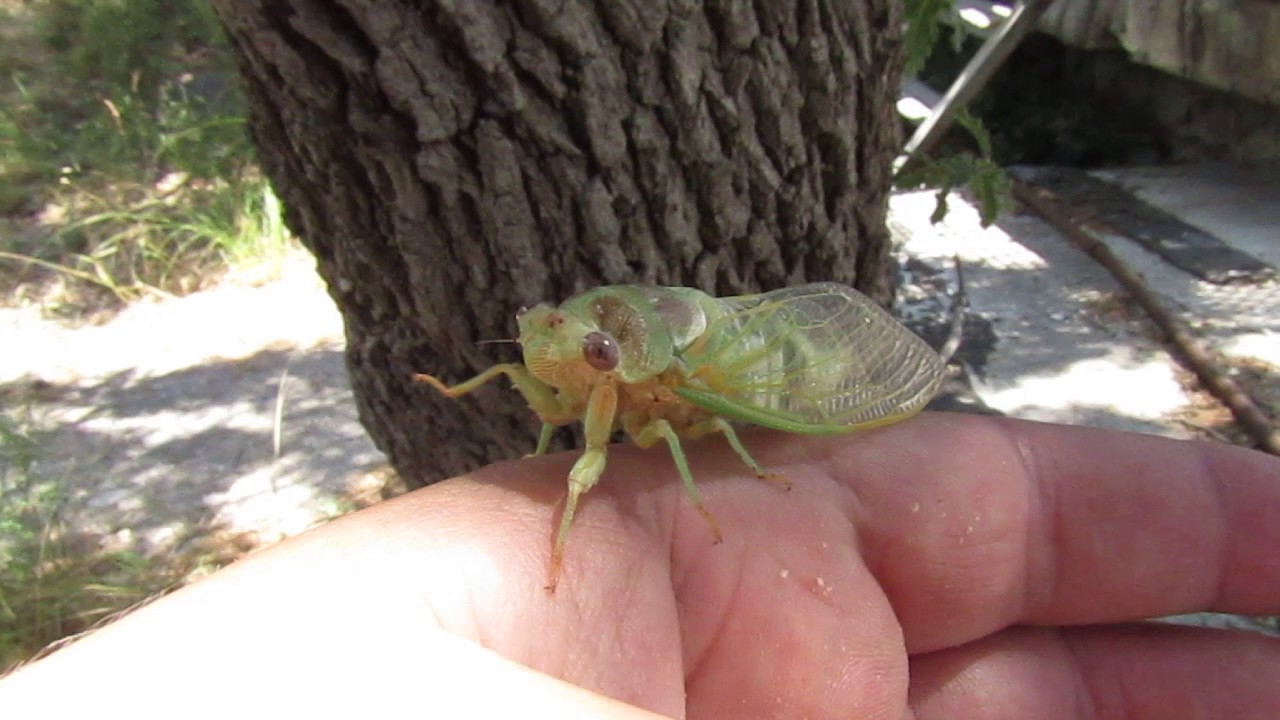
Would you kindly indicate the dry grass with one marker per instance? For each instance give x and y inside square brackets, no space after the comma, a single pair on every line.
[125,168]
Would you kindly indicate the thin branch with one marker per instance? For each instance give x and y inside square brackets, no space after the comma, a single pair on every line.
[1190,351]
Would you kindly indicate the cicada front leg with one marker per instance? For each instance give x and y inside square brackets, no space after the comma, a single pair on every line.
[597,425]
[511,370]
[541,397]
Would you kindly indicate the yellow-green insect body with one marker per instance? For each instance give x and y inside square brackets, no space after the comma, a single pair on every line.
[663,363]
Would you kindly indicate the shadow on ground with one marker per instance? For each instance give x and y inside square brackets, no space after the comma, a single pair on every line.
[146,458]
[1049,336]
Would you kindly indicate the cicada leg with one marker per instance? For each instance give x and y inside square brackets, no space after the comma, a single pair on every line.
[540,396]
[544,440]
[648,435]
[511,370]
[597,424]
[721,425]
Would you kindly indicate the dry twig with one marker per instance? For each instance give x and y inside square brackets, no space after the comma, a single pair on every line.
[1190,351]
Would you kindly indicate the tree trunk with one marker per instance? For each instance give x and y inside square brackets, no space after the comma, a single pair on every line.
[449,161]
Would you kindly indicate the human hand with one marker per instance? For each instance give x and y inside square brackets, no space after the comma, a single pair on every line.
[948,567]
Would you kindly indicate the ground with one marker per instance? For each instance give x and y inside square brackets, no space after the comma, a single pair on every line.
[161,422]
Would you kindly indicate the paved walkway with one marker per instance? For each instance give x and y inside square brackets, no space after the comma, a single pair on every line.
[1063,344]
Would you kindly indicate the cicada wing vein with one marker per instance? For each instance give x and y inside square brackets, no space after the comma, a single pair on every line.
[819,358]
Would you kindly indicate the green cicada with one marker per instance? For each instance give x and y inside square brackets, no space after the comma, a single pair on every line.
[663,363]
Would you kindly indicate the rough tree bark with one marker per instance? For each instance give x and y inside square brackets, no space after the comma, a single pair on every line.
[448,161]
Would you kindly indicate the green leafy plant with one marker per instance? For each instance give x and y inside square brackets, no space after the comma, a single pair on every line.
[978,172]
[987,181]
[924,29]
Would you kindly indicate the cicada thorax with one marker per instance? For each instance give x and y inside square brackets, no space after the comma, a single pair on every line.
[682,311]
[622,318]
[644,402]
[650,325]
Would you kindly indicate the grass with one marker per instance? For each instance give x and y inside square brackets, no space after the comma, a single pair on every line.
[125,166]
[125,170]
[54,583]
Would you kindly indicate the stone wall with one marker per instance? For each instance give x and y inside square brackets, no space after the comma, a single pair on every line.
[1199,122]
[1232,45]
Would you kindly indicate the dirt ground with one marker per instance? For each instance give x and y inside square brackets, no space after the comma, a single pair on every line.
[161,423]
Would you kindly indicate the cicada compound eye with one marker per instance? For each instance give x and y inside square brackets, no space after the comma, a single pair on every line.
[601,351]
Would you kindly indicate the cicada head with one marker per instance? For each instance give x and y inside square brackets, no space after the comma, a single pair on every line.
[562,349]
[611,331]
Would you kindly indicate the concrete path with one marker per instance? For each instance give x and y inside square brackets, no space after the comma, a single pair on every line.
[1063,343]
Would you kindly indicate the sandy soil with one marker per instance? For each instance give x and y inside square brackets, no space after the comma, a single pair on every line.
[160,423]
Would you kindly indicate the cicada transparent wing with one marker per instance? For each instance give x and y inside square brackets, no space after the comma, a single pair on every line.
[820,358]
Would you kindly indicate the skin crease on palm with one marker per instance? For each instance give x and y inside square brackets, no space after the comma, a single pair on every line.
[947,567]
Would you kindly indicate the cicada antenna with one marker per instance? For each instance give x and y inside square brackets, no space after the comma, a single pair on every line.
[497,341]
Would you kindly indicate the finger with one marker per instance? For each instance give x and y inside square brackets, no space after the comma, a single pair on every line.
[1136,672]
[782,619]
[975,524]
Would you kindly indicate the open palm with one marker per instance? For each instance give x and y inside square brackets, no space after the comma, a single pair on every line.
[949,567]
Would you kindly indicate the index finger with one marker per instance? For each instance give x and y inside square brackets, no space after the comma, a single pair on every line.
[972,525]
